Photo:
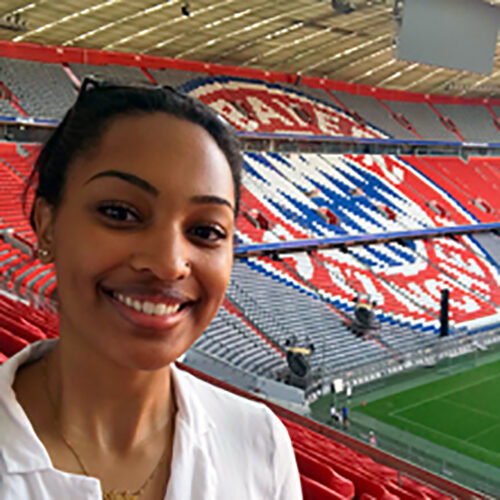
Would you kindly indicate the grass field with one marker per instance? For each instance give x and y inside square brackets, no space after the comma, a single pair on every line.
[460,412]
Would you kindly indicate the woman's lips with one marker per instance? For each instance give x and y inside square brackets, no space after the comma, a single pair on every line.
[156,317]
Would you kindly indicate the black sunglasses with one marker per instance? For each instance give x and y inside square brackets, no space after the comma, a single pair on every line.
[92,82]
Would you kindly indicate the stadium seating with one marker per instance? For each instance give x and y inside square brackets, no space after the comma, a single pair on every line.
[252,104]
[474,122]
[288,190]
[463,181]
[320,481]
[112,72]
[7,109]
[231,338]
[346,472]
[423,119]
[43,90]
[281,309]
[376,114]
[288,197]
[174,77]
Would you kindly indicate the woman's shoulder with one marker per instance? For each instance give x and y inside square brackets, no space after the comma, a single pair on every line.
[248,445]
[225,408]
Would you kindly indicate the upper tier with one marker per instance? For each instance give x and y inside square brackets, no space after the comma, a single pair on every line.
[265,102]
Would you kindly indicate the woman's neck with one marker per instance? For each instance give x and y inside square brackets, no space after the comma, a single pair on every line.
[116,408]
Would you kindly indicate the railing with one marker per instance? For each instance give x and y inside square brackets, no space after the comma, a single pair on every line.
[259,249]
[437,350]
[448,357]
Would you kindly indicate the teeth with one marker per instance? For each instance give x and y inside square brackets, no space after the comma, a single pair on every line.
[148,307]
[173,309]
[160,309]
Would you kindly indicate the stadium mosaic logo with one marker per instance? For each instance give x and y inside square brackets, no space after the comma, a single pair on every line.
[404,280]
[362,191]
[255,106]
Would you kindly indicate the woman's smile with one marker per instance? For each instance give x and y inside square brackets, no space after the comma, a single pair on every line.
[153,311]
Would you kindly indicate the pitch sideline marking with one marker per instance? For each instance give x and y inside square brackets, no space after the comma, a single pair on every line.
[474,436]
[462,441]
[444,394]
[468,408]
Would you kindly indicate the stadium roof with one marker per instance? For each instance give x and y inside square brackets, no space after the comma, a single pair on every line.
[299,36]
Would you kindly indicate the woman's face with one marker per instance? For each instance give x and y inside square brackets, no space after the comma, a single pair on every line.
[142,240]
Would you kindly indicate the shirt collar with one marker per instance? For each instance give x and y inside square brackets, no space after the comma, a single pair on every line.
[193,473]
[190,410]
[25,452]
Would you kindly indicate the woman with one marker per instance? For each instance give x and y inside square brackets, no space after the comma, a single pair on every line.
[135,205]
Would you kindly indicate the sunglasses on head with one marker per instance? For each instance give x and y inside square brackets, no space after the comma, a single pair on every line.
[92,82]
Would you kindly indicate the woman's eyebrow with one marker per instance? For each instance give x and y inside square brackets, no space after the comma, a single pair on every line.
[133,179]
[138,181]
[210,198]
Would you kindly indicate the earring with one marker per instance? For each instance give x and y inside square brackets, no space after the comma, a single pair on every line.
[42,253]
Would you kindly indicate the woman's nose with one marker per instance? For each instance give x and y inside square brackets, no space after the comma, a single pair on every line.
[165,253]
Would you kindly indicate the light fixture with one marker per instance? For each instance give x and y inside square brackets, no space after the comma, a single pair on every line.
[343,6]
[13,22]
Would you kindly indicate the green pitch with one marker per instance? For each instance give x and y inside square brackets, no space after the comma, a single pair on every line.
[460,412]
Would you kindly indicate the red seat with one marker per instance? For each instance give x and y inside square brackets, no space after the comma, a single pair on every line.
[10,344]
[21,328]
[350,466]
[324,475]
[312,490]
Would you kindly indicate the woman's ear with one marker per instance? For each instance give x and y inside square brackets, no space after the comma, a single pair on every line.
[43,217]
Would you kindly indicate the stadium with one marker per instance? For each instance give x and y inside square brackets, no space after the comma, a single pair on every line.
[364,301]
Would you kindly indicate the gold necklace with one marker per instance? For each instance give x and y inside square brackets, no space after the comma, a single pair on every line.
[106,495]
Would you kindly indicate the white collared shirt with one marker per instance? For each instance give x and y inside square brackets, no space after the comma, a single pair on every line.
[225,447]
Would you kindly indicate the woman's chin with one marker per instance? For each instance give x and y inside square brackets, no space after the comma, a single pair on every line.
[144,358]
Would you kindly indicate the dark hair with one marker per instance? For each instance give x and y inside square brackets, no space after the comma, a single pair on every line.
[85,122]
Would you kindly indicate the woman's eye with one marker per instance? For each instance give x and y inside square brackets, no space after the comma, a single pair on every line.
[209,233]
[118,212]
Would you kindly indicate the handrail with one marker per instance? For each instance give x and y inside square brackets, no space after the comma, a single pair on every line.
[259,249]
